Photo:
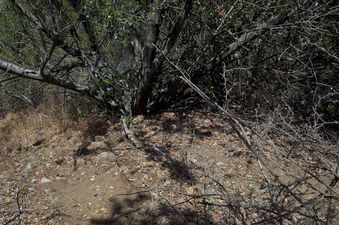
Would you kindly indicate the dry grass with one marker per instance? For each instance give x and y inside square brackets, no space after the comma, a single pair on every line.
[19,131]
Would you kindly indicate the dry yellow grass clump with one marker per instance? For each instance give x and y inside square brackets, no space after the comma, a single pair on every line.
[20,130]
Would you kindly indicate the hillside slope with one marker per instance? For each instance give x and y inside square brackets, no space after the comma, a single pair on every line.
[195,171]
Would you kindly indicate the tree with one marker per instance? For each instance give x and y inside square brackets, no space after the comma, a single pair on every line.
[69,37]
[118,52]
[131,56]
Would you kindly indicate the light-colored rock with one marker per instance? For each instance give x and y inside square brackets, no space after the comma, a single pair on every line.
[97,145]
[230,137]
[30,166]
[105,156]
[194,161]
[45,180]
[99,138]
[190,191]
[149,164]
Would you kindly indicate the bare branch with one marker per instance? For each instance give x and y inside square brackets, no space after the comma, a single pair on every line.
[55,37]
[178,26]
[249,36]
[35,75]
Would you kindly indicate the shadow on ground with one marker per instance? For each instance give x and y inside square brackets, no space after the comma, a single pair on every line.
[140,209]
[178,169]
[181,121]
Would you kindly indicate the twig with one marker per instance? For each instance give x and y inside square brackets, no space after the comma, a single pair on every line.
[20,212]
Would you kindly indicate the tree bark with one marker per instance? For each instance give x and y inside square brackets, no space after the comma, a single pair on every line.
[11,68]
[149,70]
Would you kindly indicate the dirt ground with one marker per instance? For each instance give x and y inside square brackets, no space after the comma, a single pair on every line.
[87,172]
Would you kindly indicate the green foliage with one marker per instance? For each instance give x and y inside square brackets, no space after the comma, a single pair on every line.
[333,109]
[265,68]
[128,120]
[207,200]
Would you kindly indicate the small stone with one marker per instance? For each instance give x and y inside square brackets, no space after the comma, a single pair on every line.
[149,164]
[97,145]
[105,156]
[230,137]
[146,170]
[45,180]
[59,161]
[220,164]
[99,138]
[234,153]
[194,161]
[30,166]
[190,191]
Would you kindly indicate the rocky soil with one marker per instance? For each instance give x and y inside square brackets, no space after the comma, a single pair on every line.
[93,175]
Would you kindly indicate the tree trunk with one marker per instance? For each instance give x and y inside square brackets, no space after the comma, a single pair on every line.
[149,69]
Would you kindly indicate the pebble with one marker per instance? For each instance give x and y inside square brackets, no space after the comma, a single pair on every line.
[99,138]
[97,145]
[45,180]
[234,154]
[105,156]
[30,166]
[230,137]
[149,164]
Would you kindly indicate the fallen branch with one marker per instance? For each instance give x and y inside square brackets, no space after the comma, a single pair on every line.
[20,211]
[135,141]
